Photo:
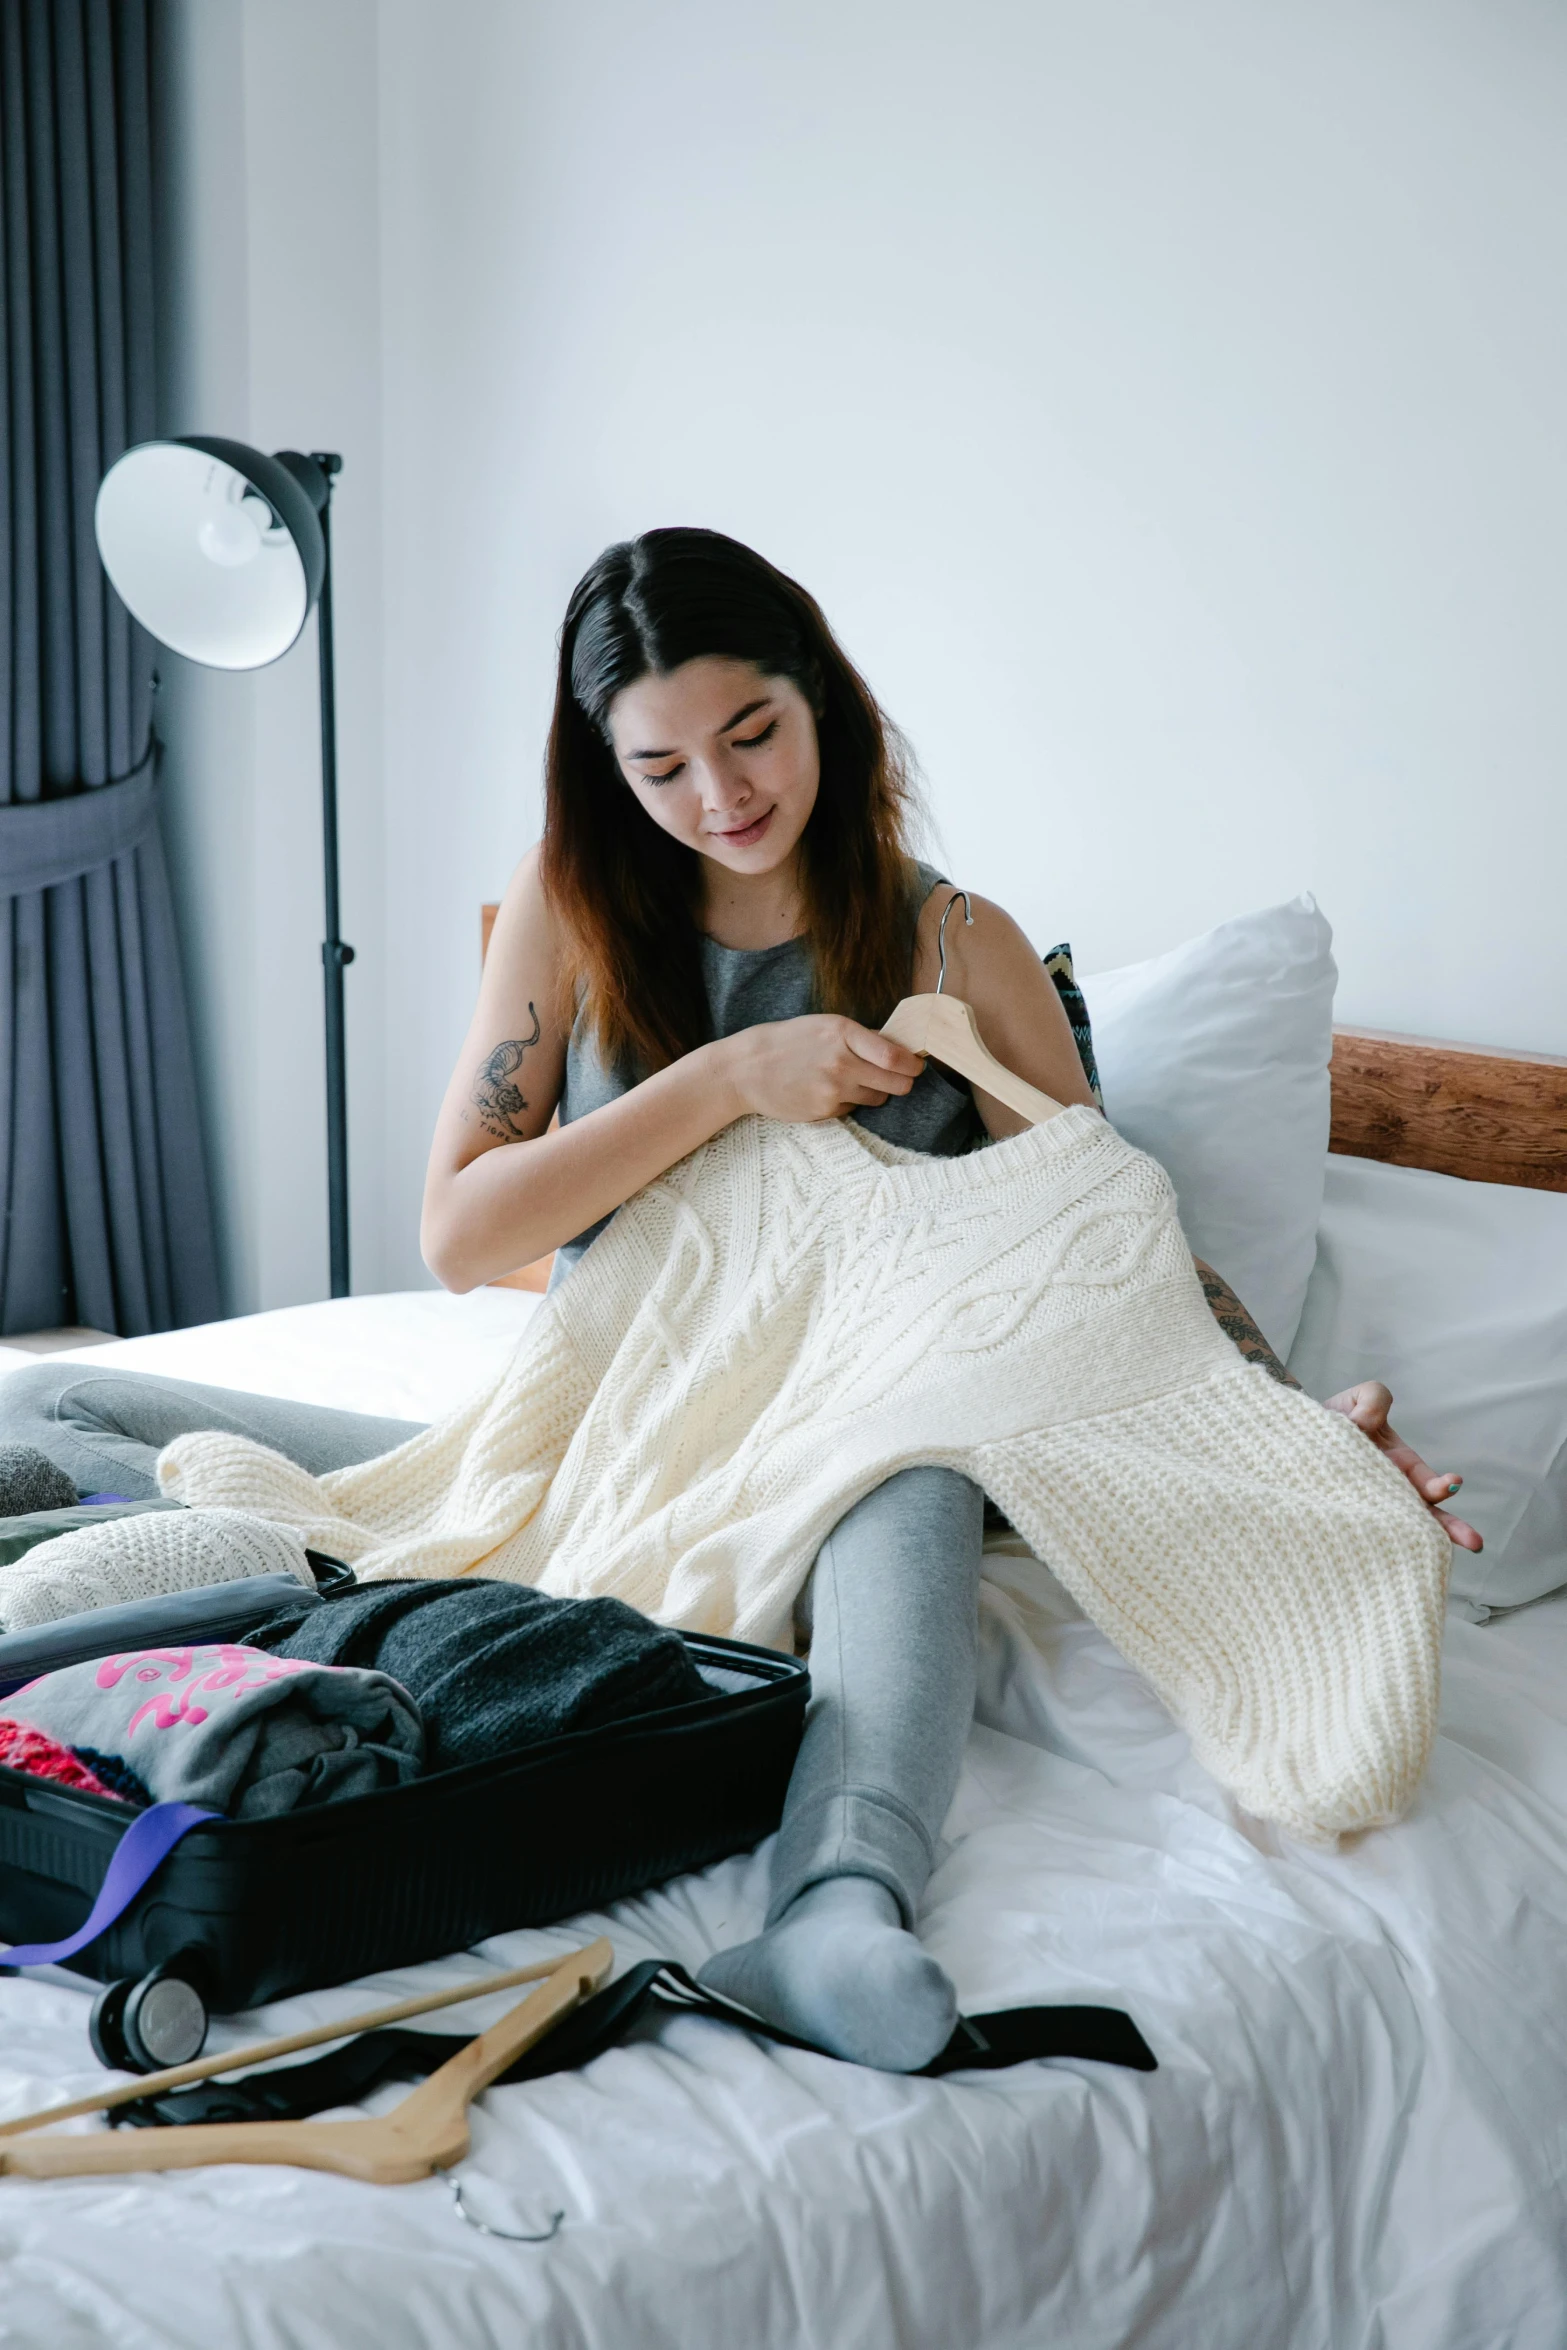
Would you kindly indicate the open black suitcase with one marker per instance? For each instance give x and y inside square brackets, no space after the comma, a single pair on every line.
[254,1909]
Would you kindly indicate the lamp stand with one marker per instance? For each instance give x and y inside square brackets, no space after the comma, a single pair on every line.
[316,474]
[336,955]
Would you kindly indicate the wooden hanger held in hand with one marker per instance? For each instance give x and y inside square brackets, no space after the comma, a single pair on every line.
[942,1025]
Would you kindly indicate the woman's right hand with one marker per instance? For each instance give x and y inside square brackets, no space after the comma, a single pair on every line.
[815,1067]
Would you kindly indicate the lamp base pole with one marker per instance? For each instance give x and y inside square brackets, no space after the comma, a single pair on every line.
[336,954]
[315,475]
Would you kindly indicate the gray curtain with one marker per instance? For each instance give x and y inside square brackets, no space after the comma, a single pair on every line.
[105,1215]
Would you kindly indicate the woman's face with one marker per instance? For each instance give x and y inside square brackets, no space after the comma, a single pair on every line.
[722,757]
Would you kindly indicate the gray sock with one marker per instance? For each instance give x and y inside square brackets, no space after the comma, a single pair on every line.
[840,1970]
[30,1481]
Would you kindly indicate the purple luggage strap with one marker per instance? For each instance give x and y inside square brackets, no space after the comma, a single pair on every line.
[143,1848]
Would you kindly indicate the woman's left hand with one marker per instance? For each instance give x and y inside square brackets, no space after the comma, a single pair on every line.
[1366,1407]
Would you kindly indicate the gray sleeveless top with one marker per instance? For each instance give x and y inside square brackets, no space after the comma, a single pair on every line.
[749,985]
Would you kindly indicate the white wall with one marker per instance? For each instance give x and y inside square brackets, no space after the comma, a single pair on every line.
[1165,401]
[267,140]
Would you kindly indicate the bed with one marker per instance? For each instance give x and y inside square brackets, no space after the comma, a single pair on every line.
[1357,2135]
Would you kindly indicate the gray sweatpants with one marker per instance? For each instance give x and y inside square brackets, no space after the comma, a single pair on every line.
[891,1607]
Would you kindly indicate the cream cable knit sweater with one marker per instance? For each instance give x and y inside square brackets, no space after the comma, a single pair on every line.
[144,1557]
[796,1312]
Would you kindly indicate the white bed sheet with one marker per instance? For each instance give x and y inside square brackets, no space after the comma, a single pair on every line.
[408,1355]
[1357,2139]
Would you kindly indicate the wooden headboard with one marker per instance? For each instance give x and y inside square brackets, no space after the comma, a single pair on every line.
[1459,1109]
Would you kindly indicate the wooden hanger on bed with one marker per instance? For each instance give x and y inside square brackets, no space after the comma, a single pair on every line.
[945,1026]
[427,2132]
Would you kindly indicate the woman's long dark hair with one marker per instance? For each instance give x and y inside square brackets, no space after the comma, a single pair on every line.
[626,893]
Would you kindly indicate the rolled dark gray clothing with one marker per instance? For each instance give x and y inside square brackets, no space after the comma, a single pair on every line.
[226,1725]
[105,1428]
[29,1481]
[494,1666]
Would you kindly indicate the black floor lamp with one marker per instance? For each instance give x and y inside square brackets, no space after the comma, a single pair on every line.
[220,551]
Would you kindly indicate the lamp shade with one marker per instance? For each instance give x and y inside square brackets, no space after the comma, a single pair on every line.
[214,547]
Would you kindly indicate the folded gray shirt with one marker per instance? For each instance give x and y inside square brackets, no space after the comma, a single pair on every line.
[250,1734]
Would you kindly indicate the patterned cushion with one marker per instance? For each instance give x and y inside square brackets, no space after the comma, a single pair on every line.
[1059,965]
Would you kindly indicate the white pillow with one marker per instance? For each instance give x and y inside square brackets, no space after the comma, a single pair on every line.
[1214,1059]
[1456,1294]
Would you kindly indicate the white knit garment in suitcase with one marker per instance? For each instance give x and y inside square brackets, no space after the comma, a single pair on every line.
[794,1313]
[145,1557]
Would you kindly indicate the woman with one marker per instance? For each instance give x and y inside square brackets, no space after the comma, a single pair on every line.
[722,911]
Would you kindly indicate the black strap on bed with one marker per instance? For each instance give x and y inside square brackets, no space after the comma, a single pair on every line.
[981,2043]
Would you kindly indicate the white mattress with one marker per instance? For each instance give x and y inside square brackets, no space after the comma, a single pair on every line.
[406,1356]
[1357,2138]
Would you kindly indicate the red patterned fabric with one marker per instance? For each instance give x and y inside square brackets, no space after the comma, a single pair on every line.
[22,1748]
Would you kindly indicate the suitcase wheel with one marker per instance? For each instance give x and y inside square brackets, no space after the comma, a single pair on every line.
[140,2024]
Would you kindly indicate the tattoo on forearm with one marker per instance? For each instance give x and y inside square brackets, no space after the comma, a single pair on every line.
[1238,1325]
[496,1098]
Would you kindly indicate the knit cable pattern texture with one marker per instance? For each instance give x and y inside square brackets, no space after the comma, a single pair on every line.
[143,1558]
[794,1313]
